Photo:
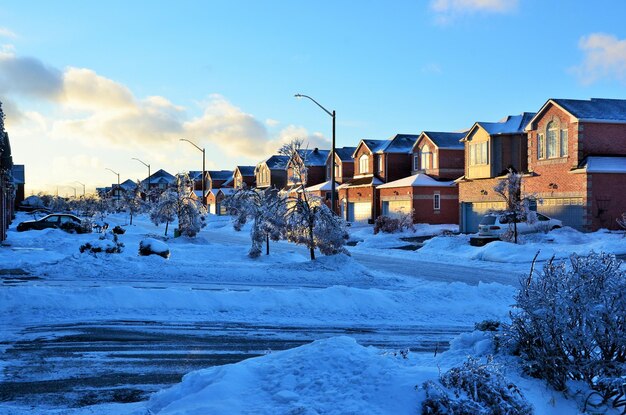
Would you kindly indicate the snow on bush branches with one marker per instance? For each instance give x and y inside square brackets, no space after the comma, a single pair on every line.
[569,323]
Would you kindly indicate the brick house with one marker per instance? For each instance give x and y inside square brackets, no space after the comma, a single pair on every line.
[432,195]
[344,164]
[219,178]
[491,148]
[244,175]
[375,162]
[315,164]
[577,161]
[7,187]
[19,180]
[160,180]
[215,197]
[272,172]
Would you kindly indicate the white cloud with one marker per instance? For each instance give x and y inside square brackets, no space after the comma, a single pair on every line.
[5,32]
[604,58]
[271,123]
[28,76]
[447,10]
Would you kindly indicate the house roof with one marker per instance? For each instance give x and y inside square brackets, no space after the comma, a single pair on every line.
[326,186]
[226,191]
[315,157]
[195,174]
[361,182]
[246,170]
[446,139]
[276,162]
[220,174]
[602,164]
[18,174]
[160,176]
[511,124]
[373,145]
[128,185]
[400,143]
[590,110]
[345,153]
[417,180]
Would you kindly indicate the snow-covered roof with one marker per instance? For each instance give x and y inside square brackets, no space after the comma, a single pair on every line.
[446,139]
[128,185]
[362,182]
[400,143]
[373,145]
[246,170]
[315,157]
[227,191]
[417,180]
[195,174]
[198,193]
[321,187]
[599,164]
[511,124]
[276,162]
[220,174]
[345,153]
[600,109]
[160,176]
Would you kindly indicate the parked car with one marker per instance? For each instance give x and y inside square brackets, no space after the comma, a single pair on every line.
[67,222]
[494,225]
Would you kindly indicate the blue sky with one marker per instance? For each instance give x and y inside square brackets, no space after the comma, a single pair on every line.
[89,85]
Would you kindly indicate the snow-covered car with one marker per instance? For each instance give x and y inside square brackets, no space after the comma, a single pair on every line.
[64,221]
[494,225]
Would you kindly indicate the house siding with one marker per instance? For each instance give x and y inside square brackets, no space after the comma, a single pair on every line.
[422,201]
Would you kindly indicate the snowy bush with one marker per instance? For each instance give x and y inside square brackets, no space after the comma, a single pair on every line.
[474,389]
[150,246]
[118,230]
[622,221]
[569,322]
[71,227]
[398,223]
[164,209]
[103,245]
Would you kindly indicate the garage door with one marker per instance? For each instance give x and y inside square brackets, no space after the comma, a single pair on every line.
[359,212]
[393,207]
[472,213]
[211,208]
[568,210]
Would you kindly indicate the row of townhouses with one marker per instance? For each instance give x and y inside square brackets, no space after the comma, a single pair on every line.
[572,154]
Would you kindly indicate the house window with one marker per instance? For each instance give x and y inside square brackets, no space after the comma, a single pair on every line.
[380,164]
[416,161]
[540,146]
[551,140]
[563,144]
[435,162]
[337,170]
[437,201]
[328,171]
[479,153]
[425,157]
[364,162]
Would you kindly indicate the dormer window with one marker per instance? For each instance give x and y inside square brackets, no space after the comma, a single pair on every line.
[364,162]
[425,157]
[380,164]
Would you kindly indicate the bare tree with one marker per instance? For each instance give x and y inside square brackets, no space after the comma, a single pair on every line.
[517,206]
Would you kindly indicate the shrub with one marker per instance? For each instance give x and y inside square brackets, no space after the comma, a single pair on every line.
[569,322]
[150,246]
[476,389]
[397,223]
[118,230]
[103,245]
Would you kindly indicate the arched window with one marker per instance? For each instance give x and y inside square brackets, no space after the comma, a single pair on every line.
[551,140]
[364,162]
[425,157]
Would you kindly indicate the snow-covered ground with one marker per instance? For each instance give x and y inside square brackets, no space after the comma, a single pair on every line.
[210,279]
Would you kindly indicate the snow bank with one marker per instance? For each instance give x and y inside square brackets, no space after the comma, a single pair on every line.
[149,246]
[331,376]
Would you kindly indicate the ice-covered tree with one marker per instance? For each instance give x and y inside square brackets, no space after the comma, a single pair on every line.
[132,201]
[191,212]
[517,206]
[265,208]
[308,220]
[164,209]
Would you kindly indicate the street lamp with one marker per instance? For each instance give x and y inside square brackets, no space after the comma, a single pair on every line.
[148,166]
[203,164]
[82,184]
[332,151]
[118,181]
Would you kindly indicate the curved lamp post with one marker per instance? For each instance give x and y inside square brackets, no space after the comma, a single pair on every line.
[332,151]
[148,166]
[118,181]
[203,164]
[82,184]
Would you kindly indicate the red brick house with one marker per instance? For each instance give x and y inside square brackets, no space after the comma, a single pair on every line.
[272,172]
[215,198]
[315,164]
[491,148]
[432,201]
[244,175]
[344,164]
[441,155]
[577,161]
[375,162]
[219,178]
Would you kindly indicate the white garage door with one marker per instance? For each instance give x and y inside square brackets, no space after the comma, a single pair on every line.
[393,207]
[568,210]
[472,213]
[359,212]
[211,208]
